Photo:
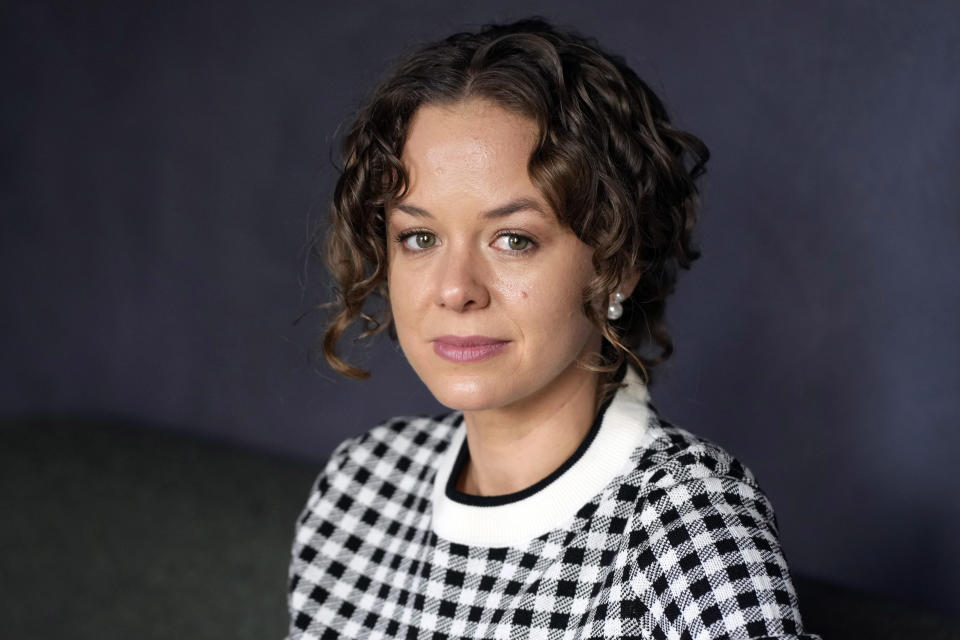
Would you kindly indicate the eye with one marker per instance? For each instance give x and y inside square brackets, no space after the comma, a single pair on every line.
[513,242]
[419,240]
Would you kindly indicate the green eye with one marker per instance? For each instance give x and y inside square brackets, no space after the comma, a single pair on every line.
[420,240]
[517,243]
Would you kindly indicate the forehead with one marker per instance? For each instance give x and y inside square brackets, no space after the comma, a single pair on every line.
[470,140]
[473,118]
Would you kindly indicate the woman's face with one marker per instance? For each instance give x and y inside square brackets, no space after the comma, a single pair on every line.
[485,285]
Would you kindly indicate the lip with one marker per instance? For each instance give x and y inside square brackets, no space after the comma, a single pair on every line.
[468,348]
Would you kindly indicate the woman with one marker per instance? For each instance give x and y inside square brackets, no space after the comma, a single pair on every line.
[521,201]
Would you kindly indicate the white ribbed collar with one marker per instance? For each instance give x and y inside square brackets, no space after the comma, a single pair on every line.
[624,427]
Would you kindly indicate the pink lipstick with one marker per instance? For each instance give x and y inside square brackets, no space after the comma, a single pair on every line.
[468,348]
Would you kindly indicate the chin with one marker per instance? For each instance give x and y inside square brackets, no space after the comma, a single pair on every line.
[468,393]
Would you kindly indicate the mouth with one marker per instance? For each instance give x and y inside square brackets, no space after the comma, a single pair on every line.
[468,348]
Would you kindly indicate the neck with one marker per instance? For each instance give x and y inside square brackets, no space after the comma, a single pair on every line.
[514,447]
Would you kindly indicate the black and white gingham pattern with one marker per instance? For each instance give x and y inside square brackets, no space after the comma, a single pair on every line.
[683,546]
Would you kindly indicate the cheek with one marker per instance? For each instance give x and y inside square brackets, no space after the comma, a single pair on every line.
[552,308]
[563,304]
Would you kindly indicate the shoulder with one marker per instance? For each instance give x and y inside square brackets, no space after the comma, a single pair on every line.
[704,546]
[398,447]
[682,474]
[418,439]
[673,455]
[664,454]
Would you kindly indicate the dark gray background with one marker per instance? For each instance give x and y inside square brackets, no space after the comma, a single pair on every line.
[161,164]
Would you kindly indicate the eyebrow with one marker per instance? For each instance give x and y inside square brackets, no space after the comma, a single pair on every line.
[520,204]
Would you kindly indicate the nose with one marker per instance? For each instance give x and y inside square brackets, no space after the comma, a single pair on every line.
[461,281]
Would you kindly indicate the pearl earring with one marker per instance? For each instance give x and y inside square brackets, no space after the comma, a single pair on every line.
[615,308]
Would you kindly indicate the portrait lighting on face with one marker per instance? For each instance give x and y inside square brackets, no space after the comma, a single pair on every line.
[485,283]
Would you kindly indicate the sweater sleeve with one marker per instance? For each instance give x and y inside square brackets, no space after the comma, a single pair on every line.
[301,553]
[707,563]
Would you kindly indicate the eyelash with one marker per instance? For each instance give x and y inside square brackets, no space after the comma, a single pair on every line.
[403,236]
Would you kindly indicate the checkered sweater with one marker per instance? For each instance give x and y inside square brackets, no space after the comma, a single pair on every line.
[647,531]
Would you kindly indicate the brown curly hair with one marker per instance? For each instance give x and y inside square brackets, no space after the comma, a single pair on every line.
[608,161]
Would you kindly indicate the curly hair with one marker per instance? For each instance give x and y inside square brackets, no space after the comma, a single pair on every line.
[607,160]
